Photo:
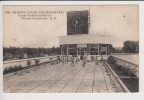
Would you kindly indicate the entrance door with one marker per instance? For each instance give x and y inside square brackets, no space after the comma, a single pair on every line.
[82,51]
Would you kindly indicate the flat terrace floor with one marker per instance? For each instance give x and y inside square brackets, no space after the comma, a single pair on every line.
[62,78]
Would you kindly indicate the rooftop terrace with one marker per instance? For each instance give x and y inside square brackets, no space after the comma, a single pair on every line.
[62,78]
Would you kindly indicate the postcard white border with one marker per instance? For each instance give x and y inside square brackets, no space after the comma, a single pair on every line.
[78,96]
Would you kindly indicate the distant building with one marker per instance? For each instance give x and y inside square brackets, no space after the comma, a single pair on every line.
[25,56]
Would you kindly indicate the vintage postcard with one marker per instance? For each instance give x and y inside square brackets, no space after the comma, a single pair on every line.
[70,48]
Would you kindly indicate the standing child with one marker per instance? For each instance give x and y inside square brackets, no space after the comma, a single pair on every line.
[63,59]
[51,59]
[67,59]
[84,61]
[101,59]
[72,61]
[57,61]
[76,59]
[96,62]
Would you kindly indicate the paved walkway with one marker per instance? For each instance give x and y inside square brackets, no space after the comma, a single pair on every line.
[62,78]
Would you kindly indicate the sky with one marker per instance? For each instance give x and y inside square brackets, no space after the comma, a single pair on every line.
[121,22]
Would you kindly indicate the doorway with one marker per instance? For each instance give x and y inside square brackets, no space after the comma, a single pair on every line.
[82,51]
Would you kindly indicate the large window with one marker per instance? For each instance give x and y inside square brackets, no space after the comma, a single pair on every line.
[63,50]
[82,50]
[93,49]
[71,49]
[103,49]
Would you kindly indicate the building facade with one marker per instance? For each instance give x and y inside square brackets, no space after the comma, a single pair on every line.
[79,41]
[90,44]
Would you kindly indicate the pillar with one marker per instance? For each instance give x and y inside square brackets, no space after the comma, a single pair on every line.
[88,48]
[60,49]
[66,49]
[76,51]
[108,49]
[99,52]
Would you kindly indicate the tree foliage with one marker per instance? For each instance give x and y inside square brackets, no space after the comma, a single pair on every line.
[17,53]
[28,63]
[37,61]
[111,49]
[131,46]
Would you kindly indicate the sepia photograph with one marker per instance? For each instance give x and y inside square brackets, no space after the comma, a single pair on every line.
[70,48]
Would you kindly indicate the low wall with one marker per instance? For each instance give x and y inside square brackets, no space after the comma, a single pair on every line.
[122,62]
[23,62]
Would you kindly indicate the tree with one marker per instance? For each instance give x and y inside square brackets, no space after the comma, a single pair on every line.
[28,63]
[131,46]
[31,52]
[111,49]
[53,49]
[37,61]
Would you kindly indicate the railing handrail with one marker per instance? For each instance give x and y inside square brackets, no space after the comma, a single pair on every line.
[125,61]
[13,61]
[124,53]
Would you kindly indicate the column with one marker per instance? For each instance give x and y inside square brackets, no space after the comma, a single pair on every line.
[76,51]
[88,49]
[108,49]
[66,49]
[99,49]
[60,49]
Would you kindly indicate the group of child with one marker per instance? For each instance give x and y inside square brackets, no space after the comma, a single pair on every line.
[74,60]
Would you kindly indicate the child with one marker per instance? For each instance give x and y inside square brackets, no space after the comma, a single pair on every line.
[101,59]
[72,61]
[84,61]
[76,59]
[67,59]
[63,59]
[96,62]
[51,59]
[58,59]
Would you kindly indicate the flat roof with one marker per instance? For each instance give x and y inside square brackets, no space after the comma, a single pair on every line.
[85,39]
[86,34]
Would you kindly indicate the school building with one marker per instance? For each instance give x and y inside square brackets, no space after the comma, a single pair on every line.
[79,41]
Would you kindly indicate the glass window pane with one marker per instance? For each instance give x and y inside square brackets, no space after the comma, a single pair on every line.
[103,45]
[71,53]
[103,53]
[93,49]
[93,45]
[103,49]
[63,49]
[71,46]
[78,53]
[71,50]
[93,53]
[63,46]
[82,53]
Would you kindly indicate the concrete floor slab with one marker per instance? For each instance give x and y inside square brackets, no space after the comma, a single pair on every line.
[62,78]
